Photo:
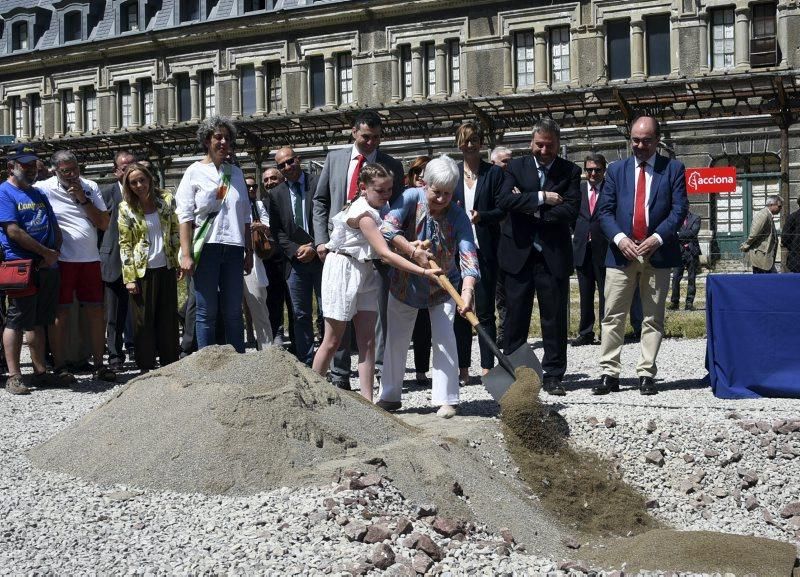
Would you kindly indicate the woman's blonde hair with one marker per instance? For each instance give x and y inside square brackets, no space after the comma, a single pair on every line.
[129,196]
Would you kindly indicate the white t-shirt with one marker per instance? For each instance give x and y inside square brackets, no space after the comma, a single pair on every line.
[196,198]
[156,257]
[469,204]
[78,232]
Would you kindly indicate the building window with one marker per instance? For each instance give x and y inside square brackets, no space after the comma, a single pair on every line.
[72,26]
[722,31]
[405,72]
[273,80]
[124,97]
[68,110]
[344,77]
[618,49]
[254,5]
[429,59]
[184,97]
[559,54]
[146,101]
[36,115]
[763,43]
[658,53]
[89,109]
[208,94]
[19,36]
[316,70]
[523,61]
[454,71]
[129,16]
[16,116]
[247,89]
[189,10]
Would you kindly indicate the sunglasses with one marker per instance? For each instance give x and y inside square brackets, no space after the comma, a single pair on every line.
[287,162]
[252,186]
[594,169]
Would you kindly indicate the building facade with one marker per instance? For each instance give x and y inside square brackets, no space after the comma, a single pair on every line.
[722,75]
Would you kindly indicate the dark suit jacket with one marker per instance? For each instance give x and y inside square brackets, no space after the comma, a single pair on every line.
[667,208]
[586,224]
[487,189]
[687,235]
[110,261]
[331,191]
[553,229]
[281,219]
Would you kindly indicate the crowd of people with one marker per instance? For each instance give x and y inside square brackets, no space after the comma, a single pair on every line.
[372,244]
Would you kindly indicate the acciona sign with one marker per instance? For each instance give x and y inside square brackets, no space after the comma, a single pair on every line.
[711,180]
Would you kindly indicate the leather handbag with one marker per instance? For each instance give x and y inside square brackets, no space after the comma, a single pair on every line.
[262,245]
[17,278]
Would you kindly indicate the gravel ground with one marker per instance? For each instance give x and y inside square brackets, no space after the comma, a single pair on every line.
[727,465]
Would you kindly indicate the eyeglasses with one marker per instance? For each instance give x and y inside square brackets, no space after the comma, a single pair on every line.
[287,162]
[588,170]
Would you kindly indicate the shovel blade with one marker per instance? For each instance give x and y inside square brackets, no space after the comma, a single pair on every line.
[497,381]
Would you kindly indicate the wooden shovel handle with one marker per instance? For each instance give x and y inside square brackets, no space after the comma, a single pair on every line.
[445,283]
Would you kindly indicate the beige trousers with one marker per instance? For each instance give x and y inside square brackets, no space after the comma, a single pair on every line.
[620,285]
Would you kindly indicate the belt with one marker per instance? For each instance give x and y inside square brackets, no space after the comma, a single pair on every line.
[348,255]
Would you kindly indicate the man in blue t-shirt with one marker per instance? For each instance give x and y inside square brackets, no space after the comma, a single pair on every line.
[28,230]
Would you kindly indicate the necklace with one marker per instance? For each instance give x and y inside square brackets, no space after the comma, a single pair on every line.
[469,174]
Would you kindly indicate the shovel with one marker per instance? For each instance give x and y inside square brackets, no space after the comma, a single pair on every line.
[500,378]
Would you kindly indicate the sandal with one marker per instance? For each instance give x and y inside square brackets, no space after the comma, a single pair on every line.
[64,376]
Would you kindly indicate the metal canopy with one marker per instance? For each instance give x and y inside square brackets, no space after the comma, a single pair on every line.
[776,94]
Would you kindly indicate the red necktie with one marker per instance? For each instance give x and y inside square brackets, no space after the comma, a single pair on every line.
[639,219]
[352,192]
[592,199]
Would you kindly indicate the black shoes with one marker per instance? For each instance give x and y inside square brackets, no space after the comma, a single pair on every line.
[341,384]
[389,406]
[647,386]
[608,384]
[587,339]
[689,307]
[672,306]
[552,386]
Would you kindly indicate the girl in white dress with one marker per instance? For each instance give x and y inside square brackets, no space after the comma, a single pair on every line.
[349,279]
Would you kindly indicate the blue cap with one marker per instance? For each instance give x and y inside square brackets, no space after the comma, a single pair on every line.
[23,153]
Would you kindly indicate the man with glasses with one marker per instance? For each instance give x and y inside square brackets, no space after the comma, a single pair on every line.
[292,223]
[116,295]
[642,207]
[81,212]
[338,185]
[589,247]
[278,292]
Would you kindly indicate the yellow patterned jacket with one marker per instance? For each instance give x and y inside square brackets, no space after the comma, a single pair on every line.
[133,241]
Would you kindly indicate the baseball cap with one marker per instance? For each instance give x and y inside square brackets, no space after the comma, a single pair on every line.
[23,153]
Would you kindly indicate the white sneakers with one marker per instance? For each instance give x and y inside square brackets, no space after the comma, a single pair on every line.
[446,412]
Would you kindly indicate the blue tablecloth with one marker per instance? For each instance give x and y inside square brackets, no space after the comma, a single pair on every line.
[753,331]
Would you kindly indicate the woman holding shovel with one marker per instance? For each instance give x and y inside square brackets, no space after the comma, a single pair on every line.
[428,216]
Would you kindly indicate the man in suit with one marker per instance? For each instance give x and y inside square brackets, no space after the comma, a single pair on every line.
[278,292]
[292,223]
[762,242]
[500,156]
[589,247]
[541,194]
[116,295]
[642,207]
[337,186]
[690,262]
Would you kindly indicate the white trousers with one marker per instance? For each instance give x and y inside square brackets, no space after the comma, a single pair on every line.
[444,370]
[255,297]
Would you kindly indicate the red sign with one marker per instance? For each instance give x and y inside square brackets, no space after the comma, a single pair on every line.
[706,180]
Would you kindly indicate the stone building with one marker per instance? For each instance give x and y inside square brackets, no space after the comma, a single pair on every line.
[722,75]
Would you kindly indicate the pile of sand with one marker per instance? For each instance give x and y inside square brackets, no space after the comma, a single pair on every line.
[219,422]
